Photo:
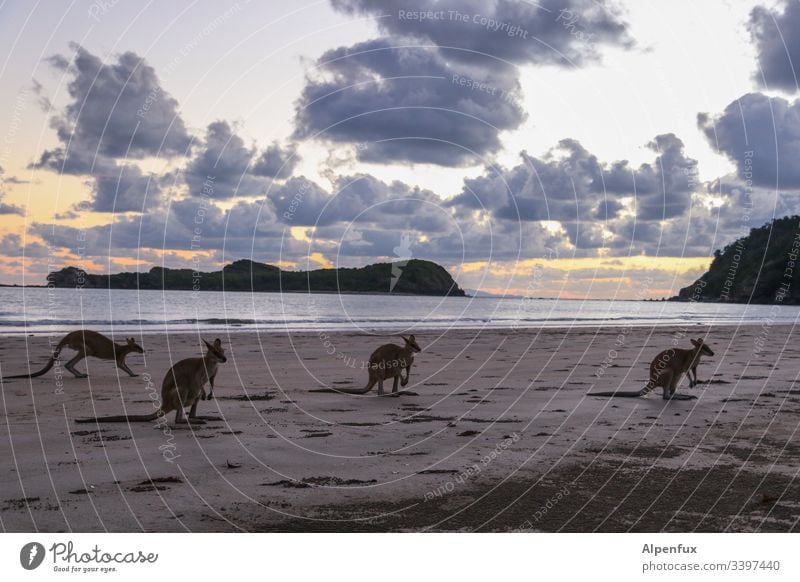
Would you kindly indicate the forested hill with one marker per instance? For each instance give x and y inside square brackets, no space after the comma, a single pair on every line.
[416,277]
[762,267]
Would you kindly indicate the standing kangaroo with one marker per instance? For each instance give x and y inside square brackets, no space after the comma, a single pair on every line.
[388,361]
[88,343]
[183,385]
[667,369]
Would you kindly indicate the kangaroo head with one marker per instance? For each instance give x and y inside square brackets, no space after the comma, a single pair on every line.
[702,347]
[216,351]
[134,346]
[411,343]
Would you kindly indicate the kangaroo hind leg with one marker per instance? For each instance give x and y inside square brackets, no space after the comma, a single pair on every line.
[124,367]
[404,381]
[71,365]
[667,387]
[691,373]
[673,386]
[181,419]
[194,416]
[210,392]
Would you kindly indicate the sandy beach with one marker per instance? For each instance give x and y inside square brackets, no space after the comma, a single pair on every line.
[494,433]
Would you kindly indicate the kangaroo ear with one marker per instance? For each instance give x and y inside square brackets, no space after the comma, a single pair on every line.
[694,342]
[699,340]
[405,339]
[217,342]
[411,338]
[208,345]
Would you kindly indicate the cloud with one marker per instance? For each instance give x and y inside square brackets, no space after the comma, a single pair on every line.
[8,208]
[570,184]
[409,104]
[366,218]
[743,206]
[776,34]
[222,166]
[761,135]
[560,32]
[117,112]
[246,229]
[11,246]
[361,220]
[123,188]
[360,199]
[276,161]
[442,84]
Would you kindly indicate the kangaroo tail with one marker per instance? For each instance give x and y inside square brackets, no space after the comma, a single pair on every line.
[44,370]
[620,393]
[363,390]
[121,418]
[345,390]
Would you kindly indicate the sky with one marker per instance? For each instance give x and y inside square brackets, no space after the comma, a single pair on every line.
[562,148]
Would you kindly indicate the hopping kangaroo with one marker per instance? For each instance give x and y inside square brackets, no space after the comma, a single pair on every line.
[667,369]
[183,385]
[388,361]
[88,343]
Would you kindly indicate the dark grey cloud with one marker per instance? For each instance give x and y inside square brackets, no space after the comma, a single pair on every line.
[744,206]
[359,199]
[123,188]
[570,184]
[4,207]
[561,32]
[300,202]
[9,208]
[672,180]
[11,245]
[409,104]
[364,220]
[360,220]
[776,34]
[244,230]
[223,166]
[13,180]
[461,241]
[276,161]
[117,110]
[761,135]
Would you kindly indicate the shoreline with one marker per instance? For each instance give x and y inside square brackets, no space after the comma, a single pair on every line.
[379,331]
[492,425]
[673,299]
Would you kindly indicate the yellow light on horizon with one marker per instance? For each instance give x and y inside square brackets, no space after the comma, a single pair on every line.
[320,259]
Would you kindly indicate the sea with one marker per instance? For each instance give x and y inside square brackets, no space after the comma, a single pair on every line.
[43,311]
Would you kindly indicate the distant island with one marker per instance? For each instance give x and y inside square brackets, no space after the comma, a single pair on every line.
[415,277]
[763,267]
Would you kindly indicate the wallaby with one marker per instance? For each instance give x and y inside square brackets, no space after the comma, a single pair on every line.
[183,385]
[666,371]
[88,343]
[388,361]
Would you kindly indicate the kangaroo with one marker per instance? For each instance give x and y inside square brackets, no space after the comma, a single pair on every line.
[388,361]
[183,385]
[88,343]
[666,371]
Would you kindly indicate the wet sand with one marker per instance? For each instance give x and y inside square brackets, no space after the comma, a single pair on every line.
[495,432]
